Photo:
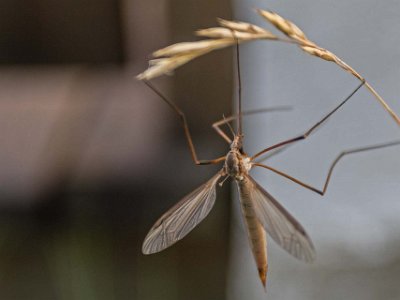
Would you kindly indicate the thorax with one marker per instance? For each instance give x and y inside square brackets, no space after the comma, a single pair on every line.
[237,164]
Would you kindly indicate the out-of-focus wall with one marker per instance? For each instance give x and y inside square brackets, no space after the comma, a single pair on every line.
[90,157]
[60,32]
[355,226]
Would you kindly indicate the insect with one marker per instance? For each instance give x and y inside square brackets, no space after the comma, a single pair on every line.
[262,213]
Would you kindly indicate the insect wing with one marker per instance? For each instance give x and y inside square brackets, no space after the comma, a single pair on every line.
[179,220]
[278,223]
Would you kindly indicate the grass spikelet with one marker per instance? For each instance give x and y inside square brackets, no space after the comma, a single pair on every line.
[322,53]
[242,26]
[192,47]
[288,28]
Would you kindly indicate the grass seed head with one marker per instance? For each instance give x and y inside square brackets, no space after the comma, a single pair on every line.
[287,27]
[320,52]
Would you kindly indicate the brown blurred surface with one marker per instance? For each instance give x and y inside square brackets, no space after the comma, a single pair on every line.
[42,31]
[90,157]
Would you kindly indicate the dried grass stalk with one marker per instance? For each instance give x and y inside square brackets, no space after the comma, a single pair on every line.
[232,32]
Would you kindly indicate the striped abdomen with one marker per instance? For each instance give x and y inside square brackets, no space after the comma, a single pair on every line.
[255,230]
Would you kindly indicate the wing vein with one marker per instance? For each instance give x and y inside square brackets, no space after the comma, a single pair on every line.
[179,220]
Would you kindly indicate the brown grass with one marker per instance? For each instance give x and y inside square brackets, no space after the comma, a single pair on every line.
[231,32]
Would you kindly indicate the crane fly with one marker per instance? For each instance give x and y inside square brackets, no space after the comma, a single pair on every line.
[263,214]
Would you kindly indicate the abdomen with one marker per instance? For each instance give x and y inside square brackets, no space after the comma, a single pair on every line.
[256,232]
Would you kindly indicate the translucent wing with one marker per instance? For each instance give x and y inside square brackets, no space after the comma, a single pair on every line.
[179,220]
[278,223]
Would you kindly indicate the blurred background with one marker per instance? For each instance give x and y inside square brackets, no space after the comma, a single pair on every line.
[91,158]
[355,226]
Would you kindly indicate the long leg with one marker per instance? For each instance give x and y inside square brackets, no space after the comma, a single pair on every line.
[273,153]
[328,177]
[226,120]
[308,132]
[185,128]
